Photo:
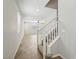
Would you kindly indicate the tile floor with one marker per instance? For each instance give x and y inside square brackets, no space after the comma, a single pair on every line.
[28,48]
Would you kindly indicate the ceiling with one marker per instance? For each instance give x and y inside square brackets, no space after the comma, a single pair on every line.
[29,7]
[35,10]
[41,14]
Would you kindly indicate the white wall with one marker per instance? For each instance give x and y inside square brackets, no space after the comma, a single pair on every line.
[30,28]
[11,36]
[68,39]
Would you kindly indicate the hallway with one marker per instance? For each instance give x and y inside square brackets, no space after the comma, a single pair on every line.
[28,48]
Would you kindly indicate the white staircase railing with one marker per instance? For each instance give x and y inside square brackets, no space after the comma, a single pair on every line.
[47,36]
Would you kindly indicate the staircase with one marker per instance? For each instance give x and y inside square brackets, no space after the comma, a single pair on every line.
[48,35]
[48,32]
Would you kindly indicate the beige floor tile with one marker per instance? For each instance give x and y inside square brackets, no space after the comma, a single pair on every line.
[28,48]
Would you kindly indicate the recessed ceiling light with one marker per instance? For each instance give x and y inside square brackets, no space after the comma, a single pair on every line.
[37,10]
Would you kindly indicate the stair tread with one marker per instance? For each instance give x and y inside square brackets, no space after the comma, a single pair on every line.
[58,57]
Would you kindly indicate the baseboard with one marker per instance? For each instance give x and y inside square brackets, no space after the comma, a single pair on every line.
[40,52]
[21,37]
[58,55]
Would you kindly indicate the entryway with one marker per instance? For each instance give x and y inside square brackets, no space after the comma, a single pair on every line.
[28,48]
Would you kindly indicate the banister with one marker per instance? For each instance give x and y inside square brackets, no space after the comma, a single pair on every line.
[48,23]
